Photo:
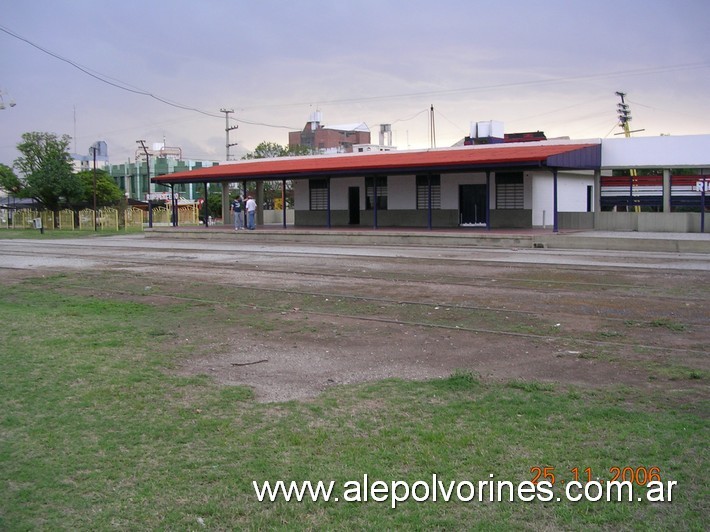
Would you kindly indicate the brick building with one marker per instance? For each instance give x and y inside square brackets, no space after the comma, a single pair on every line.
[329,139]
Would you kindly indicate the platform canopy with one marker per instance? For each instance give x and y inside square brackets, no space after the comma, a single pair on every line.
[553,155]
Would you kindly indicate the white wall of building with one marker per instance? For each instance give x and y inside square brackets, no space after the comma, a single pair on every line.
[401,192]
[339,192]
[685,151]
[450,187]
[571,195]
[301,201]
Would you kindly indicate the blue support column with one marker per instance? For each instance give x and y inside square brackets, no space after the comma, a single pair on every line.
[488,200]
[555,227]
[702,201]
[327,188]
[283,201]
[244,202]
[206,209]
[374,202]
[428,178]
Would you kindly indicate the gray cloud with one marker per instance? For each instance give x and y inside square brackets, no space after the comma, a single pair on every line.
[552,66]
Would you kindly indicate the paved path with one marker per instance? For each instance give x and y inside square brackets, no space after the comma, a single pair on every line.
[136,249]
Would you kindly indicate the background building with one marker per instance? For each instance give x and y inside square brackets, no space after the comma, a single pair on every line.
[82,163]
[133,177]
[329,139]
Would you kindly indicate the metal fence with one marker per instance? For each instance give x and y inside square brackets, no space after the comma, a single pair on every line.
[107,218]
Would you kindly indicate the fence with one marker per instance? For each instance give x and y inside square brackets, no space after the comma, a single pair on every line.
[66,219]
[133,218]
[108,218]
[187,215]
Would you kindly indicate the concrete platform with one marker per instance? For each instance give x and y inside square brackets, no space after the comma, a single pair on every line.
[465,237]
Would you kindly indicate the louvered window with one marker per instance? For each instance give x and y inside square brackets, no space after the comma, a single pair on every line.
[319,194]
[381,193]
[510,191]
[423,192]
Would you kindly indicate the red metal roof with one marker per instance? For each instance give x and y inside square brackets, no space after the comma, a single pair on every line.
[396,162]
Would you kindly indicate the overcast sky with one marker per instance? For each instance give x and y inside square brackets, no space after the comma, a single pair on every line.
[542,65]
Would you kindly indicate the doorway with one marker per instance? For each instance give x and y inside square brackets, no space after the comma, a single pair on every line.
[472,204]
[354,205]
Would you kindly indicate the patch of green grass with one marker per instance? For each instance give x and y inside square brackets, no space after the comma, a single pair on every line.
[95,433]
[669,324]
[531,386]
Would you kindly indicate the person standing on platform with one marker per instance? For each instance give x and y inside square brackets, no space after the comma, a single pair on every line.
[237,209]
[251,213]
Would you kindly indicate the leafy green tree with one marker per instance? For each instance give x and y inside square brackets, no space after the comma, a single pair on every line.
[9,180]
[272,189]
[107,192]
[45,165]
[214,204]
[266,150]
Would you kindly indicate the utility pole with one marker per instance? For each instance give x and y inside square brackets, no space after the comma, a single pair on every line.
[147,160]
[624,119]
[94,147]
[138,169]
[228,128]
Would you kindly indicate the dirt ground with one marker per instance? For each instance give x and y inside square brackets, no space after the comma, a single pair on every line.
[350,317]
[414,319]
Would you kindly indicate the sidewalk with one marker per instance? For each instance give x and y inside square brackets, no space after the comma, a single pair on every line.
[452,237]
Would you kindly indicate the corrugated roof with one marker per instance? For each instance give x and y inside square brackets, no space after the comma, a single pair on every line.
[586,155]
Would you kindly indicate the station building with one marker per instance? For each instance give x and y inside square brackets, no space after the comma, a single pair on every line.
[556,184]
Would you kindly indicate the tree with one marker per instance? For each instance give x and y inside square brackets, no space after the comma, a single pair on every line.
[267,150]
[9,180]
[107,192]
[214,204]
[46,168]
[272,189]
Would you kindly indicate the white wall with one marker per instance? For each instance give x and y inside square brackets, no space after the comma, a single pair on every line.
[401,192]
[687,151]
[339,192]
[450,187]
[571,195]
[301,197]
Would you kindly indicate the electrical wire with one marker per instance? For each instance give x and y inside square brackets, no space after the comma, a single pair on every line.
[125,86]
[525,83]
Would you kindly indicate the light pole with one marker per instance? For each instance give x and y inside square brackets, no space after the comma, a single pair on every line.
[93,149]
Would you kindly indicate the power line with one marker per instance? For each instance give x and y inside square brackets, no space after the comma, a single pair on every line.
[586,77]
[125,86]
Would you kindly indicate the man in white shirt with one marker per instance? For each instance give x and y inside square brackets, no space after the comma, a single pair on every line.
[251,213]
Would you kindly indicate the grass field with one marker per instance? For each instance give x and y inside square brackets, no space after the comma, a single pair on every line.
[97,432]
